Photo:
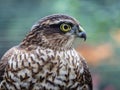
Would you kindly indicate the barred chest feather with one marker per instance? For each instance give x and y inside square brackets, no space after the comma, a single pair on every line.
[44,69]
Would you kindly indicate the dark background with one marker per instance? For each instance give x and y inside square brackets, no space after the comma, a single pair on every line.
[99,18]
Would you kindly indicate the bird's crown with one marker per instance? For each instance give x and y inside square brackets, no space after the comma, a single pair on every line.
[55,19]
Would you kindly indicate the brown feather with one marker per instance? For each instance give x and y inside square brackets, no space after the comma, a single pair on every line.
[4,61]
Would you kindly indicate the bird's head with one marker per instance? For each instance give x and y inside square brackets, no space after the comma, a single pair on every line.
[57,31]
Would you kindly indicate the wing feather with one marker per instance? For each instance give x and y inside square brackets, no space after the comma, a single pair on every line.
[4,61]
[87,74]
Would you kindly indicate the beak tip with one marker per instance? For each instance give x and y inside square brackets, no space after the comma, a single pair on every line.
[83,35]
[84,39]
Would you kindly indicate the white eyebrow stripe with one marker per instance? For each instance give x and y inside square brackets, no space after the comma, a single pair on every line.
[35,25]
[56,22]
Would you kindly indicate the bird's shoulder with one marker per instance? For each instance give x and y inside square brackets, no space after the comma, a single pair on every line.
[5,59]
[87,78]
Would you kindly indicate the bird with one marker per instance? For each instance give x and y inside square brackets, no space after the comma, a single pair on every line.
[46,59]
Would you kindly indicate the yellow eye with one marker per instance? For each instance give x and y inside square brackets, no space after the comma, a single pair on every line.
[65,27]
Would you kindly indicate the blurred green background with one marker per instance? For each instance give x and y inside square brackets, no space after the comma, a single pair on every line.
[99,18]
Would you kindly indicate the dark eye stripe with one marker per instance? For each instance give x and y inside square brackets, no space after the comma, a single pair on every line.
[54,25]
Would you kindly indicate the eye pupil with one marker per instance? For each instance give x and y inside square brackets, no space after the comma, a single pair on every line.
[65,27]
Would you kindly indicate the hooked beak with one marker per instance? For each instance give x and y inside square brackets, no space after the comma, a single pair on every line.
[79,32]
[82,35]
